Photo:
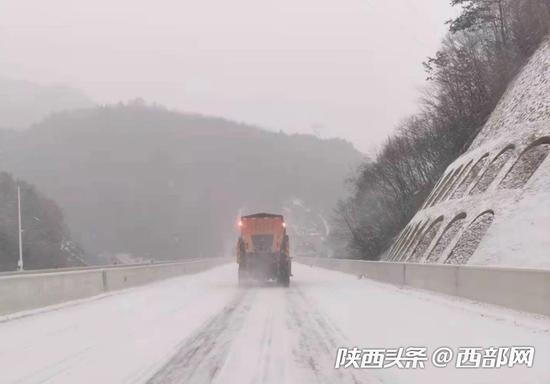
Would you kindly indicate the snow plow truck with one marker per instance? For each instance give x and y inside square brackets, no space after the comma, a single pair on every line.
[263,250]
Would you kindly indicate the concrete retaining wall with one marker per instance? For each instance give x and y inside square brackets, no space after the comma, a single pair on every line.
[387,272]
[433,277]
[92,268]
[522,289]
[516,288]
[35,291]
[122,278]
[25,292]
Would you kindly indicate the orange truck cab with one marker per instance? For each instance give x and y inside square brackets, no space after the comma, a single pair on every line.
[263,249]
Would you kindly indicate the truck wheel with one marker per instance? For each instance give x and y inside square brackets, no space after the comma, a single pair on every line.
[284,279]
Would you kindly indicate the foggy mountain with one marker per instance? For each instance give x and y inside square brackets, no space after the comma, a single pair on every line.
[23,103]
[160,184]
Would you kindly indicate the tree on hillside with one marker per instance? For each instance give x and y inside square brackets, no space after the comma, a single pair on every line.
[42,223]
[516,24]
[477,14]
[486,46]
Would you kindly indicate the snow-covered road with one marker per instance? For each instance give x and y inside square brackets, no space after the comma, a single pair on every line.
[203,329]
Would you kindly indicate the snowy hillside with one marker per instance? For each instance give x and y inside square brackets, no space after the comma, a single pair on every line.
[492,205]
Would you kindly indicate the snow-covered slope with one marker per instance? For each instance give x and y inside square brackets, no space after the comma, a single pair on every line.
[492,205]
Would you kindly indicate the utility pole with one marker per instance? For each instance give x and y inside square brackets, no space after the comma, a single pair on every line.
[20,231]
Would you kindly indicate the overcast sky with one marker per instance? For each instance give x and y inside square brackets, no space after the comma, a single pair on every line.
[352,66]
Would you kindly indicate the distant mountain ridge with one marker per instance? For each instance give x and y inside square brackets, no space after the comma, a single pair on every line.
[23,103]
[155,183]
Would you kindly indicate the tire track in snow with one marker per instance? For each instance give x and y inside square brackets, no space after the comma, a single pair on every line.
[201,356]
[264,356]
[266,335]
[319,340]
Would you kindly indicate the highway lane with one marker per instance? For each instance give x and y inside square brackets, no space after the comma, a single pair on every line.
[204,329]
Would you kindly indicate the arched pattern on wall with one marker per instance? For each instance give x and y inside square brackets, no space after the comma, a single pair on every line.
[407,242]
[434,192]
[527,164]
[442,188]
[492,171]
[414,240]
[446,238]
[470,239]
[399,242]
[470,177]
[451,184]
[426,240]
[457,181]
